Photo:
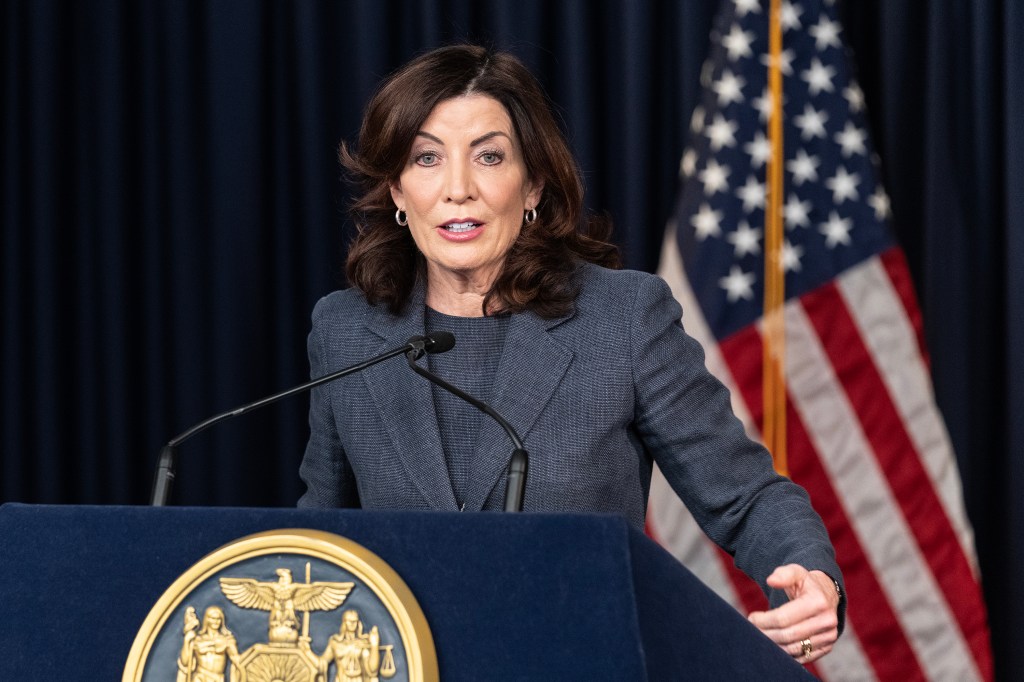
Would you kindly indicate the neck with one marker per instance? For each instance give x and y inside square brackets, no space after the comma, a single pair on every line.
[466,305]
[457,296]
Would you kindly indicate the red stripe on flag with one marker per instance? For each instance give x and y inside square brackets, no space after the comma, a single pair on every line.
[868,610]
[898,459]
[895,264]
[883,640]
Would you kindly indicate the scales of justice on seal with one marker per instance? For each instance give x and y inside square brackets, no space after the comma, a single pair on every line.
[239,615]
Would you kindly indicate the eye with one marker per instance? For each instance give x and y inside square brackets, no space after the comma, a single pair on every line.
[426,159]
[491,158]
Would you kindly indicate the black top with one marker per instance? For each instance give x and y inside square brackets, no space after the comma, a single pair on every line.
[471,366]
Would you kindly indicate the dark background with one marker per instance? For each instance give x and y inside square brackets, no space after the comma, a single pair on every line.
[172,209]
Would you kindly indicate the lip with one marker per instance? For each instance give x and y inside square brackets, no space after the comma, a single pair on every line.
[461,236]
[467,219]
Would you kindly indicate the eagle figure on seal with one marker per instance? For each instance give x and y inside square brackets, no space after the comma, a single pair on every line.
[282,599]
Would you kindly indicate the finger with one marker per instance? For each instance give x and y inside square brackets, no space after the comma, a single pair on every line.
[819,624]
[822,626]
[791,578]
[787,575]
[807,601]
[802,649]
[791,613]
[814,654]
[808,646]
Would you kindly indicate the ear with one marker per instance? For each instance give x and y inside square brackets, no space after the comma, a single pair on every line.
[396,193]
[534,189]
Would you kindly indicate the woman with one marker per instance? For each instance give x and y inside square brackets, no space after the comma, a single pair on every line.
[470,220]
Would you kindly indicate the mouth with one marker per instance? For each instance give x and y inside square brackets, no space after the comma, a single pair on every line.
[461,226]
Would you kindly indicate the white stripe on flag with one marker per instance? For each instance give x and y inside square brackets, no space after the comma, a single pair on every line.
[881,319]
[875,516]
[847,661]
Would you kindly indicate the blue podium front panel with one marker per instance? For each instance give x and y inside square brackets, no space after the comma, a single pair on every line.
[506,596]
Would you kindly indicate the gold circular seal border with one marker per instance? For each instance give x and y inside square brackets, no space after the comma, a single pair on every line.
[353,557]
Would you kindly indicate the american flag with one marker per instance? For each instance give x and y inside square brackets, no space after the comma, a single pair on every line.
[865,437]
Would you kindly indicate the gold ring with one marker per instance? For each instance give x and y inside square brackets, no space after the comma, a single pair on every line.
[805,647]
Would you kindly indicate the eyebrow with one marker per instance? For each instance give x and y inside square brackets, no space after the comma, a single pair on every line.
[473,143]
[487,136]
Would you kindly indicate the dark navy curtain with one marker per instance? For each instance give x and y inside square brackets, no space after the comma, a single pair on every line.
[172,209]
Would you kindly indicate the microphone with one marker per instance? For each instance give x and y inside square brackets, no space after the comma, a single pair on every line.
[164,477]
[518,465]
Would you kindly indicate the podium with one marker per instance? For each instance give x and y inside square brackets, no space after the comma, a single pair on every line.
[506,596]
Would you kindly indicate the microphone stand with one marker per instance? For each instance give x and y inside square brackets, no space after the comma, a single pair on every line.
[518,465]
[164,476]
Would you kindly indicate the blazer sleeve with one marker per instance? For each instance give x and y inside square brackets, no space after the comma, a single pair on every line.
[330,481]
[727,481]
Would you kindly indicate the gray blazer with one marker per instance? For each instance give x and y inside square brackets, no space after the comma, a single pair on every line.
[597,396]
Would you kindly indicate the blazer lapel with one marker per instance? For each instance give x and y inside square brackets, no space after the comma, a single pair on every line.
[406,406]
[531,367]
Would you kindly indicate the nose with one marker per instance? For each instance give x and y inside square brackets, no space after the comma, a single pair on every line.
[461,186]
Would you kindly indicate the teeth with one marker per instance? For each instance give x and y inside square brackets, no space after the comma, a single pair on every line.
[460,227]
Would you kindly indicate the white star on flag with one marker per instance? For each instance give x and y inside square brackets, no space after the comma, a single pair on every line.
[852,140]
[759,149]
[764,106]
[715,177]
[803,167]
[855,96]
[707,222]
[722,133]
[791,256]
[697,119]
[786,58]
[790,19]
[729,88]
[880,202]
[752,194]
[796,212]
[745,240]
[811,123]
[819,77]
[836,230]
[843,185]
[737,43]
[745,7]
[825,33]
[738,284]
[688,164]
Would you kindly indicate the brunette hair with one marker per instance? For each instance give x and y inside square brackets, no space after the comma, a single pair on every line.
[383,261]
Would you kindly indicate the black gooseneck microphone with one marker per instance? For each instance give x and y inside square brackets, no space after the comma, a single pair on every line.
[517,466]
[164,477]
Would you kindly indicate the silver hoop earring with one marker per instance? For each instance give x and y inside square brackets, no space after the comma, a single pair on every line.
[401,218]
[530,216]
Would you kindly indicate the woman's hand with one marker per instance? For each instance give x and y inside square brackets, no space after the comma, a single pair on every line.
[806,627]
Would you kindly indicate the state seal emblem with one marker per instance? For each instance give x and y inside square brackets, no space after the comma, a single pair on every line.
[290,605]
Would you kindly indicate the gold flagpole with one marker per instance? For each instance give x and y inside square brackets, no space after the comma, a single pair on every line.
[774,367]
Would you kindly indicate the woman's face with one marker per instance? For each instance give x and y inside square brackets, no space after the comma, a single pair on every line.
[464,190]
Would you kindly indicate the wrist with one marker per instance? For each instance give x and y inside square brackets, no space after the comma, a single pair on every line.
[831,586]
